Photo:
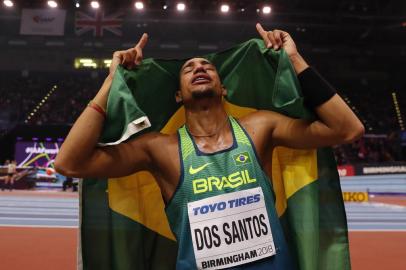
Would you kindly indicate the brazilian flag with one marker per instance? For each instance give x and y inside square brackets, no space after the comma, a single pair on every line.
[123,224]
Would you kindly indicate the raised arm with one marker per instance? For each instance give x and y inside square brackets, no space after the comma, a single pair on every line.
[79,155]
[337,123]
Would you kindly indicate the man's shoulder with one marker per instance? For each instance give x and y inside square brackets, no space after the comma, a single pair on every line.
[257,119]
[158,137]
[153,140]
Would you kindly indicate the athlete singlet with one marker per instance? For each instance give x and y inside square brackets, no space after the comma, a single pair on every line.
[222,212]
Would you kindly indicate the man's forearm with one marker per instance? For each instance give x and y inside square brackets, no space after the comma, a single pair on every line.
[84,135]
[102,95]
[332,111]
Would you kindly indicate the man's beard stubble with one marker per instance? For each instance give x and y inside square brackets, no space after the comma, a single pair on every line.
[207,93]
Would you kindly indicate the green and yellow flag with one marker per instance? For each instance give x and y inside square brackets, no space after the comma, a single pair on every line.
[123,223]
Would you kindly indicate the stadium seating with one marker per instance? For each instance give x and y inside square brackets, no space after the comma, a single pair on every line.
[20,96]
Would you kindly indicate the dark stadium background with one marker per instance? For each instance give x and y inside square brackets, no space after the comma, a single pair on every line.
[358,45]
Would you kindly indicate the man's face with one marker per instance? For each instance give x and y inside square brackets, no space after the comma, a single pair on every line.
[199,79]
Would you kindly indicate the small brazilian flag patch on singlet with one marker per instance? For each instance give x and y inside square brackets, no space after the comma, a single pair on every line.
[242,158]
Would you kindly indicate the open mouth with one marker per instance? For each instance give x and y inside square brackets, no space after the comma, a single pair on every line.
[201,78]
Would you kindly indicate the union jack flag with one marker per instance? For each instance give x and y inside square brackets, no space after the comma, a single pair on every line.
[98,23]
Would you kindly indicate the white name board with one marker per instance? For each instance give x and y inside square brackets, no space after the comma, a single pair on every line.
[230,229]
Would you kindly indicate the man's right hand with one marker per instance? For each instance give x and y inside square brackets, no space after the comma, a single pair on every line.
[129,58]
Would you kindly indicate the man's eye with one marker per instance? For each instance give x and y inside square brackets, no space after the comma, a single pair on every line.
[187,70]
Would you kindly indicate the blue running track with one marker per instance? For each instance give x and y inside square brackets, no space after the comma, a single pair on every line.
[64,212]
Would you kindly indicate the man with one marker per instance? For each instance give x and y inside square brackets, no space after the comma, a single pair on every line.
[11,173]
[212,167]
[6,178]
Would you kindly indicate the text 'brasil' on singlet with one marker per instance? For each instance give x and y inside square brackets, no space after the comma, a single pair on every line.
[223,213]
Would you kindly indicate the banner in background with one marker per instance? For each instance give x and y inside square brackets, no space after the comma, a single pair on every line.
[47,22]
[355,196]
[372,169]
[346,170]
[37,154]
[387,168]
[40,156]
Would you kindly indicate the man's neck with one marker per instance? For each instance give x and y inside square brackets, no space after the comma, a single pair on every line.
[206,118]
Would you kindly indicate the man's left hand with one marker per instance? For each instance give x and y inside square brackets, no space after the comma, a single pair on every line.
[278,39]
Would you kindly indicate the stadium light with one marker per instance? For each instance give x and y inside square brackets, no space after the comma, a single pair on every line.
[139,5]
[77,4]
[266,10]
[8,3]
[52,4]
[165,7]
[107,63]
[86,63]
[181,6]
[95,4]
[224,8]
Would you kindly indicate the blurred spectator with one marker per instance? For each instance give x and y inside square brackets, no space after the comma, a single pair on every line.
[370,149]
[11,173]
[23,94]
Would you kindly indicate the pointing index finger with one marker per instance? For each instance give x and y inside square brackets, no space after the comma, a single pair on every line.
[143,41]
[264,35]
[260,30]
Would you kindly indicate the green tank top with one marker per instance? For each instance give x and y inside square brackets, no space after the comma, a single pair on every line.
[222,212]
